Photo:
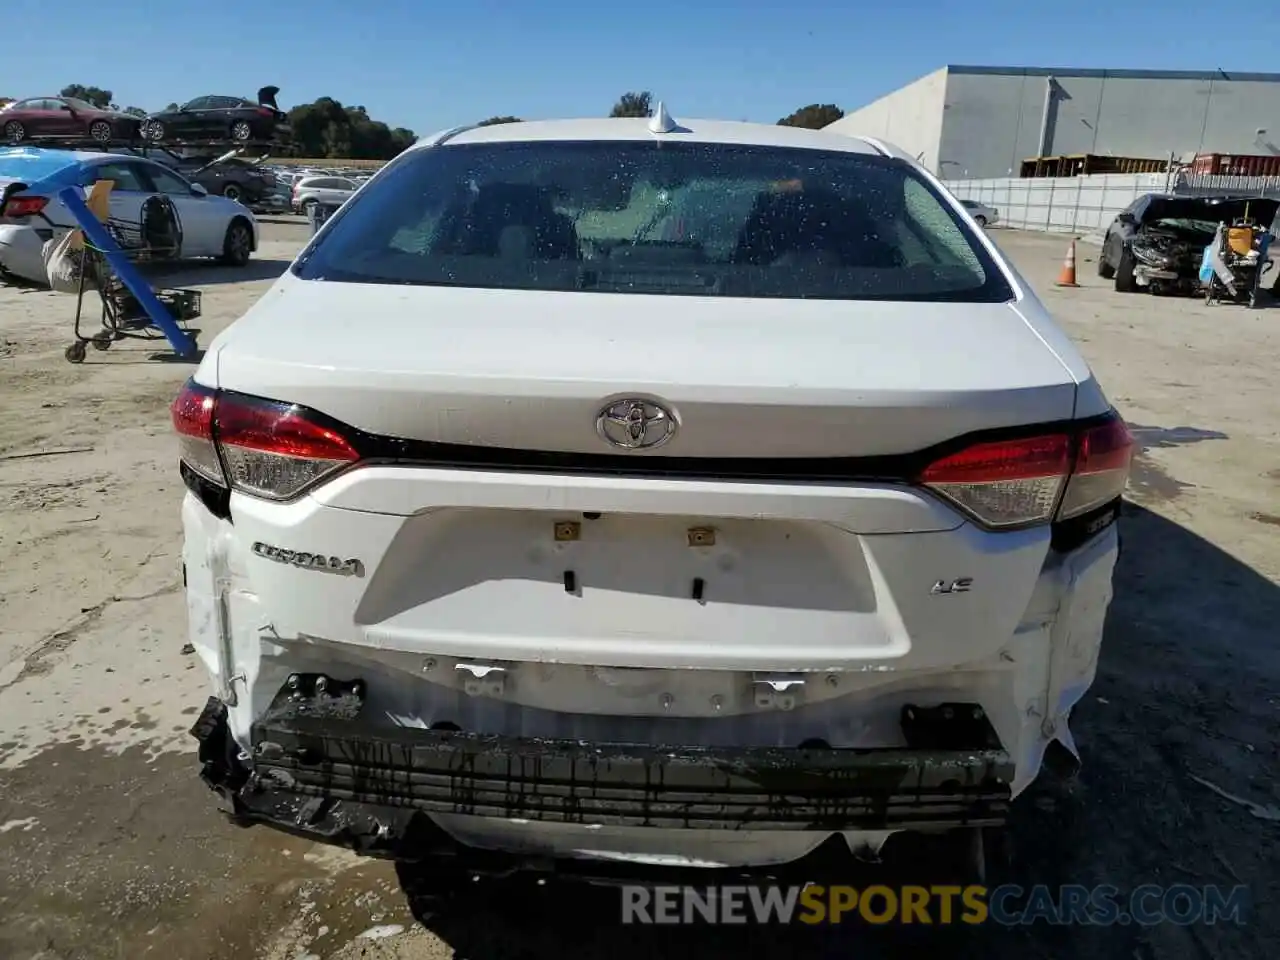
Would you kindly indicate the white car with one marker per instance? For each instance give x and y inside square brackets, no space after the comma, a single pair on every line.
[549,507]
[983,214]
[31,212]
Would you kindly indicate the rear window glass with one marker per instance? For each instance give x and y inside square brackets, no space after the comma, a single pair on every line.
[659,218]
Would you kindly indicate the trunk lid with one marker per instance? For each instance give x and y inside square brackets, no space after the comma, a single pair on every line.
[745,378]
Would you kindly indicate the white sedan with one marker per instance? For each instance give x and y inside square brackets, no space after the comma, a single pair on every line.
[31,212]
[690,493]
[983,214]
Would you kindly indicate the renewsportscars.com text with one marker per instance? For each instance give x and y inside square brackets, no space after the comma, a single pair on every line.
[1008,905]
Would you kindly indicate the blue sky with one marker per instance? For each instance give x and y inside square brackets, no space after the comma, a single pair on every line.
[431,64]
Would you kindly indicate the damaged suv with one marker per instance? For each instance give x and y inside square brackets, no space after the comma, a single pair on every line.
[1157,242]
[617,492]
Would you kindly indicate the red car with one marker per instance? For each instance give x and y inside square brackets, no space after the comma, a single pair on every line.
[39,117]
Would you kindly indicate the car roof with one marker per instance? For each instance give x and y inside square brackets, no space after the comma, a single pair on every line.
[637,128]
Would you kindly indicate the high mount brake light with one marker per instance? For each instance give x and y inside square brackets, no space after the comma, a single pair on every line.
[261,447]
[1030,480]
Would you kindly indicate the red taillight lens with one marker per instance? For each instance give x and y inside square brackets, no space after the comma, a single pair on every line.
[192,414]
[261,447]
[1032,480]
[1103,456]
[24,206]
[1005,484]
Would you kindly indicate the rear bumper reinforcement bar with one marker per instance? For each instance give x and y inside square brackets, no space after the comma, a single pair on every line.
[320,769]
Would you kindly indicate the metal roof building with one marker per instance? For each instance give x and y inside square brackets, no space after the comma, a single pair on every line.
[970,122]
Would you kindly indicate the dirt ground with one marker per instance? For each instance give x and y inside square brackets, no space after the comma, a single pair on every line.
[110,847]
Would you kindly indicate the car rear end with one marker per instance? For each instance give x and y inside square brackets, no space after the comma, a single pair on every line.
[300,193]
[257,184]
[700,550]
[30,212]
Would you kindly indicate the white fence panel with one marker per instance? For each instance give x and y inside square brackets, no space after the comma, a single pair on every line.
[1085,206]
[1076,205]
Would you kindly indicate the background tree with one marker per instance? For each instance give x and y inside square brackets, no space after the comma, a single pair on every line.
[96,95]
[135,111]
[492,120]
[813,117]
[171,107]
[326,128]
[633,104]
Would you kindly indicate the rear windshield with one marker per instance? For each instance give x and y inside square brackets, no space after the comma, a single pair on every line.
[650,217]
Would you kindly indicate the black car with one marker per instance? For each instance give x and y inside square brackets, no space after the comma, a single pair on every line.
[1157,242]
[232,177]
[220,118]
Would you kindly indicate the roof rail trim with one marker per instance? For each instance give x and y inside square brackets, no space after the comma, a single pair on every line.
[444,136]
[886,149]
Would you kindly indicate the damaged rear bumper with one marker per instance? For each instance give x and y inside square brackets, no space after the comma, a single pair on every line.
[319,768]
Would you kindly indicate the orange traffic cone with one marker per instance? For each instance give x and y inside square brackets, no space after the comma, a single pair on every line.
[1067,276]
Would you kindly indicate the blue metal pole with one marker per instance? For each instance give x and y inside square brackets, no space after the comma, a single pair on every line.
[97,235]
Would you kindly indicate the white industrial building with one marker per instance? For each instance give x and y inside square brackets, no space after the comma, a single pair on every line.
[973,122]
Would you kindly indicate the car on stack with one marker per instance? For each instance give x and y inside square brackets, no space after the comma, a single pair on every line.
[244,181]
[220,118]
[65,118]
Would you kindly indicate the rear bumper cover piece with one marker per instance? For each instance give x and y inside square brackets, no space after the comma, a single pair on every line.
[319,769]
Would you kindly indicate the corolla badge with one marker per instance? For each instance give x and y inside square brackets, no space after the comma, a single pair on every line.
[636,424]
[310,561]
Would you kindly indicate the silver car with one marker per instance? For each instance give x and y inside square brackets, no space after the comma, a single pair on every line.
[309,191]
[984,215]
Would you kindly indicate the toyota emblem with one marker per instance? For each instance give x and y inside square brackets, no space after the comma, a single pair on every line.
[635,424]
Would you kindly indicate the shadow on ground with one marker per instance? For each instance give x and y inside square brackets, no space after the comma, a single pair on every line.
[1187,688]
[194,273]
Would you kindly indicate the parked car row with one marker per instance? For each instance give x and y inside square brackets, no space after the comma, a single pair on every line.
[31,212]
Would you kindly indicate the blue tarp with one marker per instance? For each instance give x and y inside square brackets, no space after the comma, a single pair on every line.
[33,164]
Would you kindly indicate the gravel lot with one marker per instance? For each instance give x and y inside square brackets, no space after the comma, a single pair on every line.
[110,846]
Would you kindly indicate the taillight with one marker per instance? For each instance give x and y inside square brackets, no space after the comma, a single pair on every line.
[23,206]
[1103,456]
[192,414]
[260,447]
[1025,481]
